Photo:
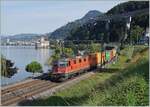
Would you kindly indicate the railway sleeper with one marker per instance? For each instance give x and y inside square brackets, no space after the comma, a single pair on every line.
[10,89]
[26,95]
[23,91]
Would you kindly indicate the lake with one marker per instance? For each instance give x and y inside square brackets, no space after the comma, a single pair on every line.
[21,56]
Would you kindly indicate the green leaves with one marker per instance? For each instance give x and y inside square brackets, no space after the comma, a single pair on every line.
[136,33]
[132,91]
[34,67]
[68,52]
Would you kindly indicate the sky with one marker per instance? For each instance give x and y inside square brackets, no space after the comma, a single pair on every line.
[43,16]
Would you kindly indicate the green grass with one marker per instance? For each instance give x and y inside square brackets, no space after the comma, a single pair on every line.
[126,86]
[131,87]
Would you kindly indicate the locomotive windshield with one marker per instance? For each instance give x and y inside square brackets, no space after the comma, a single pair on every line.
[62,64]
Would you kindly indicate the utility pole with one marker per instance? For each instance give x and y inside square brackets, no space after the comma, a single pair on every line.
[61,47]
[107,30]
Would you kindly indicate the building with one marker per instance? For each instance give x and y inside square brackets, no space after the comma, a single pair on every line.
[8,40]
[42,43]
[144,40]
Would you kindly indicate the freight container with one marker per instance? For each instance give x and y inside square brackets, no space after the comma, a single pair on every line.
[107,54]
[102,57]
[114,52]
[98,57]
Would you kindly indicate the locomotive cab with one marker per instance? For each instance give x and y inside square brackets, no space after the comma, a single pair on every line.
[59,69]
[60,66]
[62,63]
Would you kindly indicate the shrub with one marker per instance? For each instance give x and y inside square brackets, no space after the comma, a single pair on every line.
[34,67]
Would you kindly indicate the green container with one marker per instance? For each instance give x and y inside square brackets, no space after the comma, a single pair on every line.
[107,55]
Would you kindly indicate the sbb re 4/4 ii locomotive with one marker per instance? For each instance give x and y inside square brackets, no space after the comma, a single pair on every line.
[68,67]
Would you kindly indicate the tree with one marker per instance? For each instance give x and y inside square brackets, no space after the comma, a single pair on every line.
[136,33]
[53,59]
[93,47]
[7,69]
[55,56]
[67,52]
[34,67]
[3,66]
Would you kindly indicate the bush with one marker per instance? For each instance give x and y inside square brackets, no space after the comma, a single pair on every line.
[34,67]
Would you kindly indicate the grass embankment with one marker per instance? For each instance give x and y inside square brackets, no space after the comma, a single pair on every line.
[126,83]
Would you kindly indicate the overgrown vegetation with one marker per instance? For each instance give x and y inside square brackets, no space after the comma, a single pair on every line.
[88,47]
[118,86]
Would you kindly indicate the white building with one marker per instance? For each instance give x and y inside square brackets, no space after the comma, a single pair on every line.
[147,32]
[42,43]
[8,40]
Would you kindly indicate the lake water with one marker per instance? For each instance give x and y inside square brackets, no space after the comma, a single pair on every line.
[23,55]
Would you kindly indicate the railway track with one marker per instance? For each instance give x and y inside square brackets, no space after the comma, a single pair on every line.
[20,92]
[8,90]
[26,95]
[15,94]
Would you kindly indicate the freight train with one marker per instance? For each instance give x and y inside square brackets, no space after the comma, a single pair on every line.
[68,67]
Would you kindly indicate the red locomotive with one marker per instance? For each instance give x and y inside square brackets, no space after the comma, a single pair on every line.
[68,67]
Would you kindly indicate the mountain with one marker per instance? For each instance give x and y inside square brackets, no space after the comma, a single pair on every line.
[141,8]
[90,15]
[118,16]
[66,30]
[22,37]
[93,25]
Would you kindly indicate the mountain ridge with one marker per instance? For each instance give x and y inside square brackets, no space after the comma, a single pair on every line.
[21,37]
[64,31]
[84,31]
